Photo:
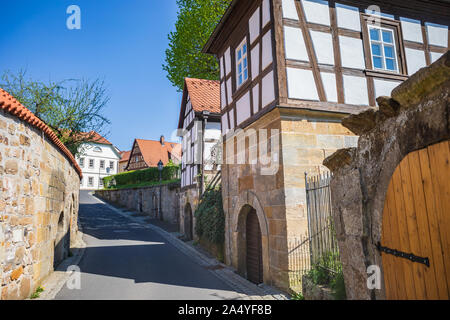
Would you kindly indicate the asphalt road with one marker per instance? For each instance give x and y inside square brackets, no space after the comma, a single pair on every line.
[124,261]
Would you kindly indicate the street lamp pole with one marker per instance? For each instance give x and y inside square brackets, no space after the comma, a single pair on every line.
[160,169]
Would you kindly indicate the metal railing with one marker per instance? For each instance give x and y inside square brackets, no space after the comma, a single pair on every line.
[319,247]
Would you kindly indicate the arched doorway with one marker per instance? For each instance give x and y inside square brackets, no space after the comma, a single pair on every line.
[60,247]
[415,242]
[254,259]
[188,222]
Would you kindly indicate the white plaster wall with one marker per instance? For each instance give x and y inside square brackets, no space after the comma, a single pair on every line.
[435,56]
[255,61]
[384,87]
[228,61]
[267,54]
[415,59]
[317,11]
[266,12]
[329,83]
[437,35]
[268,89]
[255,98]
[289,10]
[352,52]
[301,84]
[231,115]
[212,130]
[229,97]
[224,122]
[323,47]
[223,101]
[412,30]
[355,90]
[243,108]
[254,25]
[294,44]
[348,17]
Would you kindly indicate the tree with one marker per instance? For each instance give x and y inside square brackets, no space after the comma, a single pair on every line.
[196,22]
[71,108]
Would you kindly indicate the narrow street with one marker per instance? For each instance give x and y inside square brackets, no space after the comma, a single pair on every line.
[125,260]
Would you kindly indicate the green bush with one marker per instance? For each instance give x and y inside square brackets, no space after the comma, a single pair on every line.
[210,218]
[141,176]
[338,286]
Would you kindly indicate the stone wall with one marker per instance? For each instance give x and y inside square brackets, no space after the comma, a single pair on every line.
[276,190]
[39,192]
[156,201]
[189,199]
[416,116]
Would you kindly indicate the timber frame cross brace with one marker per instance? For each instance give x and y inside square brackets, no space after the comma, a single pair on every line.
[403,255]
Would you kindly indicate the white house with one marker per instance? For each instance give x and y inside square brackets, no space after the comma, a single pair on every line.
[98,159]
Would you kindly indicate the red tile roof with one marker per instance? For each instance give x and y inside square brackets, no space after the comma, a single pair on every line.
[153,151]
[125,155]
[9,104]
[96,137]
[204,94]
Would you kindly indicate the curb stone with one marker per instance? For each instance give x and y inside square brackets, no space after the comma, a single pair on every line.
[225,273]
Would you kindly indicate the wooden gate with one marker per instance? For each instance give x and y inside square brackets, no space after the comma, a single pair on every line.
[254,248]
[416,223]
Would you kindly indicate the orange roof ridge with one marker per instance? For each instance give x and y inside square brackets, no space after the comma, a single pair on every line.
[204,94]
[9,104]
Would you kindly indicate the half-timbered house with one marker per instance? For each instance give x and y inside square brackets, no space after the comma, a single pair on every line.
[147,154]
[199,126]
[291,70]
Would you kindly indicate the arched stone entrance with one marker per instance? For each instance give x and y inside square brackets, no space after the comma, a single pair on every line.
[188,222]
[62,242]
[249,245]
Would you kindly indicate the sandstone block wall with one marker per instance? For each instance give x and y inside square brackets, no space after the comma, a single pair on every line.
[188,197]
[147,200]
[278,195]
[39,192]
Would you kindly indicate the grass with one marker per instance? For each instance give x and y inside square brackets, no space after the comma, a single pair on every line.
[144,184]
[37,293]
[298,296]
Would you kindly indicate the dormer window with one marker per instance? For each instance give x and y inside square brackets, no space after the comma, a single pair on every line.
[97,149]
[383,50]
[241,63]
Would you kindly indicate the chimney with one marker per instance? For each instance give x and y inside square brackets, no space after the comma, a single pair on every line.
[161,140]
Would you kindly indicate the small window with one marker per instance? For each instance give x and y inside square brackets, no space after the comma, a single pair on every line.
[82,162]
[102,164]
[91,182]
[91,163]
[241,63]
[97,149]
[100,182]
[383,50]
[111,165]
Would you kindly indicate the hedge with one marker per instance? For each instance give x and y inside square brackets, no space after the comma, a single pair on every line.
[210,224]
[170,172]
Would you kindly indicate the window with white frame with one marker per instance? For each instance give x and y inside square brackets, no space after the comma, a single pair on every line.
[81,162]
[111,165]
[91,182]
[383,49]
[102,164]
[91,163]
[241,63]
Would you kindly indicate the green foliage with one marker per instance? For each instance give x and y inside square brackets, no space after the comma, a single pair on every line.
[196,22]
[298,296]
[210,217]
[37,293]
[321,274]
[68,107]
[141,177]
[338,286]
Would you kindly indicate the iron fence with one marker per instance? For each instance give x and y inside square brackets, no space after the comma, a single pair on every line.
[318,248]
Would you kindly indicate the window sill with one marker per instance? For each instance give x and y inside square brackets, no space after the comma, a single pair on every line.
[386,75]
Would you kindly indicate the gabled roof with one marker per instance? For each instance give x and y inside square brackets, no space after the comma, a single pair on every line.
[96,137]
[124,156]
[153,151]
[9,104]
[204,96]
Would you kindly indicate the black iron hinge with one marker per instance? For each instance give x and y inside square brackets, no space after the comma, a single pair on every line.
[400,254]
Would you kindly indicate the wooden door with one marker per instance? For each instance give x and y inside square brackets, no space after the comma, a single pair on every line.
[254,248]
[416,220]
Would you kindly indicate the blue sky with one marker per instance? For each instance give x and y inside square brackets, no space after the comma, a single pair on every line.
[120,41]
